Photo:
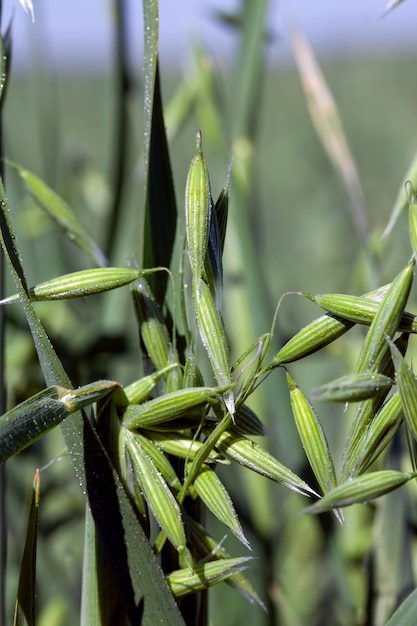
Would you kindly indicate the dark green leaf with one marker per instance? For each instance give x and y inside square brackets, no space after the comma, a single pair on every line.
[25,601]
[31,419]
[161,209]
[406,613]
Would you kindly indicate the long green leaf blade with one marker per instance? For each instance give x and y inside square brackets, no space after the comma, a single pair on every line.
[161,208]
[327,122]
[61,213]
[401,201]
[26,595]
[100,598]
[406,613]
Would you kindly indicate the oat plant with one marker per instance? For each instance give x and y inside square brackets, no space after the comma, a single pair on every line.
[152,454]
[145,454]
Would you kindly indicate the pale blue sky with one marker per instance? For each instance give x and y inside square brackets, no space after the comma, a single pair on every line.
[79,32]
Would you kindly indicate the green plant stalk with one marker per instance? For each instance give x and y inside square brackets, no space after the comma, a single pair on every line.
[3,400]
[121,144]
[3,475]
[250,66]
[393,557]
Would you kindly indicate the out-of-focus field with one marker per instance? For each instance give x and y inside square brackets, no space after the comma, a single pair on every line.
[62,129]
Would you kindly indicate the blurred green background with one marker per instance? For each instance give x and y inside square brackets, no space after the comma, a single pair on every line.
[62,128]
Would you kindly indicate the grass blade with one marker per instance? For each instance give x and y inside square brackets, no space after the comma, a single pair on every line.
[160,208]
[250,70]
[391,5]
[401,201]
[60,212]
[405,615]
[412,218]
[25,601]
[151,33]
[31,419]
[100,598]
[325,117]
[120,148]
